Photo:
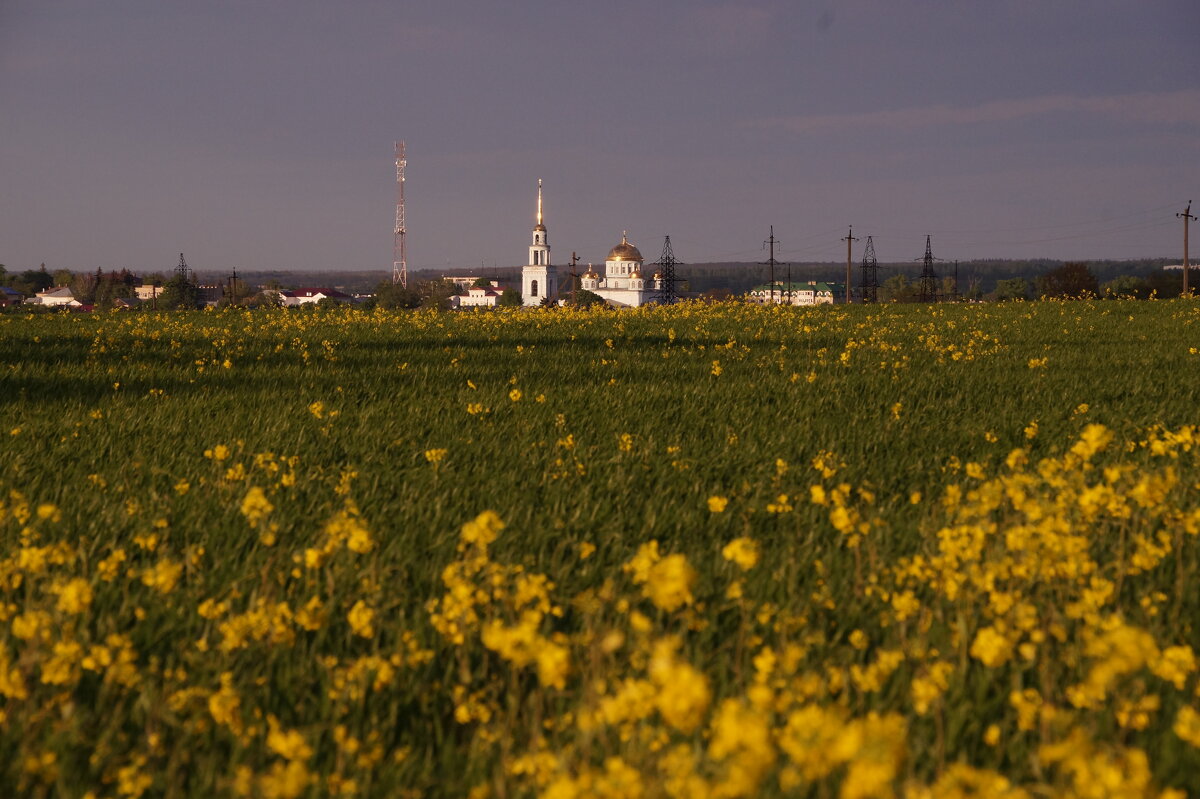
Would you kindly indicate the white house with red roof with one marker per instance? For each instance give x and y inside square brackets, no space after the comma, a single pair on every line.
[482,297]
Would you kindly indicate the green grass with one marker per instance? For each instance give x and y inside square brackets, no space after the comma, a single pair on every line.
[103,415]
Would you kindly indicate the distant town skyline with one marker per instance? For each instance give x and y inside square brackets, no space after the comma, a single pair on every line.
[259,135]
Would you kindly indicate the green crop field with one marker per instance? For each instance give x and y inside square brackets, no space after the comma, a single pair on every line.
[698,551]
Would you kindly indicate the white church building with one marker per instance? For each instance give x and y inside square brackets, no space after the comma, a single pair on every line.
[623,284]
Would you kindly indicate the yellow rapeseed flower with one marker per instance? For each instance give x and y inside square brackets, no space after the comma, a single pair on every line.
[483,529]
[163,575]
[74,596]
[1187,725]
[743,551]
[669,584]
[289,744]
[991,647]
[362,618]
[256,506]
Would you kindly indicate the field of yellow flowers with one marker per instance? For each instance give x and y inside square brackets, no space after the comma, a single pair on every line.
[699,551]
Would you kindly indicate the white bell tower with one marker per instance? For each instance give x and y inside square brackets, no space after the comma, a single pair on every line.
[539,279]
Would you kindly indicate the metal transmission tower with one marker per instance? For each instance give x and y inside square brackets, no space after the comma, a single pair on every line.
[929,285]
[1187,217]
[399,245]
[849,239]
[666,264]
[182,270]
[870,273]
[771,262]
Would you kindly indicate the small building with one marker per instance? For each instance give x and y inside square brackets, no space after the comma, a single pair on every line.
[10,297]
[481,297]
[147,291]
[461,282]
[312,295]
[57,296]
[811,292]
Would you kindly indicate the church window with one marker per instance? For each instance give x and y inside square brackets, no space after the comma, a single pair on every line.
[533,289]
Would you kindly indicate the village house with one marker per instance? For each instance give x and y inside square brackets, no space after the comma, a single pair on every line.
[480,296]
[57,296]
[311,296]
[10,297]
[811,292]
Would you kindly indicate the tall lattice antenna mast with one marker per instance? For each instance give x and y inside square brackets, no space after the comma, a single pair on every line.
[870,273]
[399,245]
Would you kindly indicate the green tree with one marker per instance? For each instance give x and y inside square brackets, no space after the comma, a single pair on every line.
[436,293]
[31,281]
[1072,280]
[179,293]
[83,286]
[948,288]
[1126,286]
[1166,283]
[897,288]
[481,283]
[974,289]
[392,296]
[586,299]
[234,291]
[509,298]
[1014,288]
[267,298]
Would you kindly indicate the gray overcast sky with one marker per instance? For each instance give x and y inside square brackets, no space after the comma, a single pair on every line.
[259,134]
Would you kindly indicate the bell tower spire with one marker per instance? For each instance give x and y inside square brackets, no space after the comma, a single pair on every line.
[539,251]
[539,279]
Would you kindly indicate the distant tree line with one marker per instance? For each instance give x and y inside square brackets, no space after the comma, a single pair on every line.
[979,281]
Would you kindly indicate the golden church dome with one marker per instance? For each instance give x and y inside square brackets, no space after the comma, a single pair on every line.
[624,251]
